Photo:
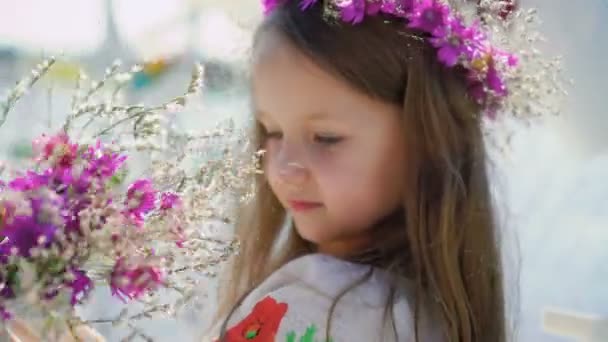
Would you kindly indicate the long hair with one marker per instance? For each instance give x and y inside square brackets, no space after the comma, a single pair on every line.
[447,242]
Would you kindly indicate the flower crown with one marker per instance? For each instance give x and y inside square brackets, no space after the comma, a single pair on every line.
[457,44]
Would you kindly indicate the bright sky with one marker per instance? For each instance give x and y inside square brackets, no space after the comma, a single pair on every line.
[149,28]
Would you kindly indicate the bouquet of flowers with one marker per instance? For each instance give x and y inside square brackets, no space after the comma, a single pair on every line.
[73,219]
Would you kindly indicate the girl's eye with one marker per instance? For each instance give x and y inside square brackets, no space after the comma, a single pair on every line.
[273,135]
[327,139]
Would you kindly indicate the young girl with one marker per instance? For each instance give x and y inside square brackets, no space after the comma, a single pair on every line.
[375,165]
[373,220]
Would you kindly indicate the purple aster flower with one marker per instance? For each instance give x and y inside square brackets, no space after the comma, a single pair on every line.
[169,200]
[129,281]
[306,4]
[352,11]
[81,285]
[140,199]
[430,16]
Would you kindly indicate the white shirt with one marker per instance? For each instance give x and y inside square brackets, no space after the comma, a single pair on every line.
[297,298]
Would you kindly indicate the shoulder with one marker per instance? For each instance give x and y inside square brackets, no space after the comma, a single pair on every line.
[303,298]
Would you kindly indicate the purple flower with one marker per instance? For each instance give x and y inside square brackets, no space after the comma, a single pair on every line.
[24,232]
[270,5]
[430,16]
[451,47]
[81,285]
[494,81]
[398,8]
[4,315]
[129,281]
[509,59]
[140,199]
[352,11]
[449,50]
[169,200]
[4,252]
[373,7]
[30,181]
[512,60]
[306,4]
[102,162]
[477,45]
[477,90]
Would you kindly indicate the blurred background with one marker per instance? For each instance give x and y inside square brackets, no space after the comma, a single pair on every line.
[551,184]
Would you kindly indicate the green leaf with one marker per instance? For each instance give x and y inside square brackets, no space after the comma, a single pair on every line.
[12,277]
[118,178]
[309,336]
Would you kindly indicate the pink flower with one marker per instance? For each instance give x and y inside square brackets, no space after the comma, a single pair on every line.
[169,200]
[141,198]
[430,16]
[56,149]
[129,281]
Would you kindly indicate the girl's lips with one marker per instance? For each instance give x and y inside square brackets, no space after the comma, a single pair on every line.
[303,205]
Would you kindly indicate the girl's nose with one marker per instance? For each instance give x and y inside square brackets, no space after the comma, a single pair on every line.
[293,174]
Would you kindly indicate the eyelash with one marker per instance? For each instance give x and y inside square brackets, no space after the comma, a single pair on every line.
[321,139]
[328,139]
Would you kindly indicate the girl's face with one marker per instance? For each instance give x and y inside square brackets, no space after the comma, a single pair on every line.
[334,156]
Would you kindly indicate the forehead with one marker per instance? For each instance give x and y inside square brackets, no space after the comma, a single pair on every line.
[286,82]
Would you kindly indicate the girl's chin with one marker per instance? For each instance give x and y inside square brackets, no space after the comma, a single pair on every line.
[333,244]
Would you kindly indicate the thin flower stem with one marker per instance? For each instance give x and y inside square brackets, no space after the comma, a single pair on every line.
[119,122]
[22,86]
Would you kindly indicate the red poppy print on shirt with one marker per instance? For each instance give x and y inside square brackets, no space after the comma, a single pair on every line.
[261,325]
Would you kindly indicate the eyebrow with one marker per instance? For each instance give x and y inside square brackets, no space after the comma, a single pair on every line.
[259,114]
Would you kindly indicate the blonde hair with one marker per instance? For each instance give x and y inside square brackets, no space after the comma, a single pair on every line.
[447,240]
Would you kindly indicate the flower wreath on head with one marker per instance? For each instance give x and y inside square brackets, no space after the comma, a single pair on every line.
[491,73]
